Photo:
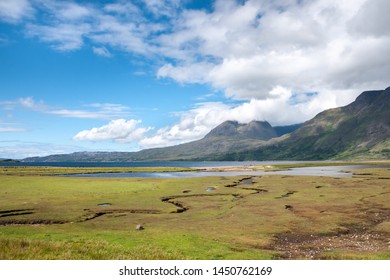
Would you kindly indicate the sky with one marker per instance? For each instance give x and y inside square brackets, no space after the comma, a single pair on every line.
[118,75]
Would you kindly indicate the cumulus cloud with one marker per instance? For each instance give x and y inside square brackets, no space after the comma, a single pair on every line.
[284,107]
[119,130]
[257,46]
[244,48]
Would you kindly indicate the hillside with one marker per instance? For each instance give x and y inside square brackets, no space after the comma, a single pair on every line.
[360,130]
[228,136]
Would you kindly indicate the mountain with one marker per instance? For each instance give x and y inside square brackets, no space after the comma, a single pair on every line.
[228,136]
[281,130]
[8,160]
[253,130]
[360,130]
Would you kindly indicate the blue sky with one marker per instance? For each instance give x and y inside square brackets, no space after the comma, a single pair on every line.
[121,75]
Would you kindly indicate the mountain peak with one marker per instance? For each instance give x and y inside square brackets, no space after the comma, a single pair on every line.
[368,97]
[260,130]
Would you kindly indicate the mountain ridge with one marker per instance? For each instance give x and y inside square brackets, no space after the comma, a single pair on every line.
[229,135]
[358,130]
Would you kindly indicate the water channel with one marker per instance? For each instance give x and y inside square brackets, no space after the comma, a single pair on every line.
[344,171]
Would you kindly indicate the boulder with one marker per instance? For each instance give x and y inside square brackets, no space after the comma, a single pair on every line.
[139,227]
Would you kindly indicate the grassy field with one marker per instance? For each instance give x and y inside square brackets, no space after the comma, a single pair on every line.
[48,170]
[267,217]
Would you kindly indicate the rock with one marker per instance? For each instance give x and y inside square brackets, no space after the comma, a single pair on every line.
[139,227]
[288,207]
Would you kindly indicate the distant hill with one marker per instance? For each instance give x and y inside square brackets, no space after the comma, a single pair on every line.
[228,136]
[360,130]
[8,160]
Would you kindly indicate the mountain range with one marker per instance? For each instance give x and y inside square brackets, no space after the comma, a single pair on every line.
[360,130]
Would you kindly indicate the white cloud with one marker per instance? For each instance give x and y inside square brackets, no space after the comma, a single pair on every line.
[186,74]
[99,111]
[162,7]
[11,129]
[80,114]
[258,46]
[120,25]
[14,10]
[123,8]
[63,37]
[31,104]
[3,40]
[372,19]
[109,107]
[119,130]
[102,51]
[127,35]
[71,11]
[282,108]
[96,111]
[245,48]
[266,53]
[6,127]
[22,149]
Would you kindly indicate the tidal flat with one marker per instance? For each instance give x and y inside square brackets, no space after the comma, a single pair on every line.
[218,217]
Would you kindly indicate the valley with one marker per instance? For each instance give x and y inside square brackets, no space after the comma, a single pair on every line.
[219,217]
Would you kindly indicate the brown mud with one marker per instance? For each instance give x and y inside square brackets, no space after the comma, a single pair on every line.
[351,237]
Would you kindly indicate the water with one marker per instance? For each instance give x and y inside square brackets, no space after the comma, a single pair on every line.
[104,204]
[191,174]
[149,164]
[329,171]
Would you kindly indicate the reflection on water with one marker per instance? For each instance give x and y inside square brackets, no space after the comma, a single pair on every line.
[327,171]
[104,204]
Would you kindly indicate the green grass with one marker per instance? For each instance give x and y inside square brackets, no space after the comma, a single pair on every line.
[49,170]
[51,217]
[284,166]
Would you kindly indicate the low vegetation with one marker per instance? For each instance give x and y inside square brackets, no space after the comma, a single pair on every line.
[49,170]
[267,217]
